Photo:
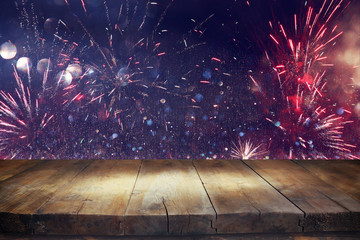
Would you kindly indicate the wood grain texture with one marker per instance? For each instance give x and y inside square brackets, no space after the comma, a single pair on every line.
[342,174]
[251,236]
[243,201]
[94,202]
[9,168]
[326,208]
[168,198]
[22,195]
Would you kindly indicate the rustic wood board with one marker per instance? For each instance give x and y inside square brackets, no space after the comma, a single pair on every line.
[9,168]
[23,194]
[325,207]
[169,198]
[243,201]
[251,236]
[93,203]
[342,174]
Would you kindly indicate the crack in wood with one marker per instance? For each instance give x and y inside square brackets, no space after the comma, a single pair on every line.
[323,194]
[212,226]
[136,179]
[203,184]
[300,224]
[167,216]
[275,188]
[168,196]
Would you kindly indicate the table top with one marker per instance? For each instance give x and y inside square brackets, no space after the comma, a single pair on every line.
[178,197]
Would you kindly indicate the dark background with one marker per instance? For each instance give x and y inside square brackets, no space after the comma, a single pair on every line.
[237,34]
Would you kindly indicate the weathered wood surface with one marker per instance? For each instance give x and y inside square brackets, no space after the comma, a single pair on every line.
[169,198]
[244,202]
[23,194]
[93,203]
[9,168]
[178,197]
[246,236]
[325,207]
[344,174]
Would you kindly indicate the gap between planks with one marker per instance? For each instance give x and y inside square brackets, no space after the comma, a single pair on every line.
[268,182]
[238,197]
[327,208]
[169,198]
[212,204]
[275,189]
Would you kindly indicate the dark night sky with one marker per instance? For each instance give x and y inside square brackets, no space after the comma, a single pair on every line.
[237,34]
[232,19]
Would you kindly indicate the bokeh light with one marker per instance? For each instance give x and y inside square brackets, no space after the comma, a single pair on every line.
[8,50]
[24,64]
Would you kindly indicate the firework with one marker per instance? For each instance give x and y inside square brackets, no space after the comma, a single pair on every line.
[298,105]
[126,67]
[247,150]
[32,115]
[112,80]
[151,79]
[22,124]
[134,88]
[50,43]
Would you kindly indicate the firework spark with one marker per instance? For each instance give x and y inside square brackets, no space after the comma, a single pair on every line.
[22,123]
[247,150]
[127,65]
[30,116]
[299,106]
[150,79]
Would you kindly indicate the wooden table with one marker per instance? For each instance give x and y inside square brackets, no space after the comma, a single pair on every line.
[178,197]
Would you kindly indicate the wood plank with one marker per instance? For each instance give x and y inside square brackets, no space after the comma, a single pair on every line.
[251,236]
[326,208]
[9,168]
[168,198]
[342,174]
[22,195]
[93,203]
[243,201]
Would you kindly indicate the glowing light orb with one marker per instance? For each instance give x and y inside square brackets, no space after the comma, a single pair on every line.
[64,78]
[8,50]
[207,74]
[123,76]
[43,65]
[90,71]
[357,109]
[23,64]
[199,97]
[113,136]
[50,25]
[75,70]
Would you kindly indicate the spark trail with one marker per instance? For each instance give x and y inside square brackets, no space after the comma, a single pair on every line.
[247,150]
[22,124]
[299,106]
[31,116]
[128,65]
